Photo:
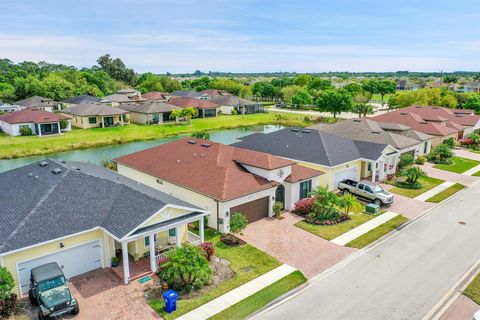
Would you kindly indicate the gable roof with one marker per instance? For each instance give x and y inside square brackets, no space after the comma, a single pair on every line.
[121,98]
[28,115]
[82,98]
[193,102]
[312,146]
[185,93]
[148,107]
[85,109]
[231,100]
[214,92]
[215,171]
[34,102]
[39,206]
[155,95]
[367,130]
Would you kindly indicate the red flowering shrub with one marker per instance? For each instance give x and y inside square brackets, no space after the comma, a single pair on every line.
[303,207]
[466,141]
[209,250]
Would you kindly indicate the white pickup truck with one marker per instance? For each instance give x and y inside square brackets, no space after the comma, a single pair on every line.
[367,190]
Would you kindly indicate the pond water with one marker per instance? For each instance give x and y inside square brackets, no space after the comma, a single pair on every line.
[97,155]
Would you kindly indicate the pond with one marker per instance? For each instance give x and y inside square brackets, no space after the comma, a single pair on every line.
[97,155]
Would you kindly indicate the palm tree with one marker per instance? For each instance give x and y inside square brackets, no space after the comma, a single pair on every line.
[362,109]
[189,113]
[349,201]
[176,114]
[325,204]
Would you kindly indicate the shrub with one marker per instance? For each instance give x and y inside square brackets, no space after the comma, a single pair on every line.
[109,164]
[412,173]
[324,208]
[115,261]
[238,222]
[441,154]
[25,131]
[421,160]
[307,119]
[405,161]
[349,202]
[277,209]
[7,298]
[234,112]
[187,268]
[201,135]
[7,306]
[303,207]
[450,142]
[63,124]
[209,250]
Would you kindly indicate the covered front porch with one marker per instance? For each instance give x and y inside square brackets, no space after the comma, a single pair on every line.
[383,167]
[147,247]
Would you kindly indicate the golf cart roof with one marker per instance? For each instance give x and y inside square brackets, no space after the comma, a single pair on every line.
[46,272]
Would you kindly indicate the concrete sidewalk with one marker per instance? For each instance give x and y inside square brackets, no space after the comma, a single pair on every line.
[364,228]
[472,171]
[230,298]
[430,193]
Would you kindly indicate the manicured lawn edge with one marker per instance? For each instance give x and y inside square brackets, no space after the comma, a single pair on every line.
[459,165]
[377,233]
[476,174]
[260,299]
[428,183]
[439,197]
[473,289]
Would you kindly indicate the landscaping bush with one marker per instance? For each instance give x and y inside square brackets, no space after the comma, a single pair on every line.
[472,140]
[7,298]
[412,174]
[450,142]
[441,154]
[277,209]
[25,131]
[405,161]
[238,222]
[420,160]
[187,268]
[201,135]
[349,202]
[406,185]
[7,306]
[325,208]
[63,124]
[303,207]
[209,250]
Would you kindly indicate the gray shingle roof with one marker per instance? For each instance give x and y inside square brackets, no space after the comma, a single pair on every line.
[148,107]
[86,109]
[82,98]
[39,206]
[185,93]
[35,101]
[312,146]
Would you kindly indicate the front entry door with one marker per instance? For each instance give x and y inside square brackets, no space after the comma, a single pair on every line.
[108,121]
[280,195]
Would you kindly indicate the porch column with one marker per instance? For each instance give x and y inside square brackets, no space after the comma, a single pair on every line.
[121,120]
[381,170]
[126,266]
[374,169]
[103,124]
[153,260]
[201,231]
[39,130]
[178,237]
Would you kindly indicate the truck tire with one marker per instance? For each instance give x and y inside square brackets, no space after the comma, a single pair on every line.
[76,309]
[345,191]
[378,202]
[31,298]
[41,316]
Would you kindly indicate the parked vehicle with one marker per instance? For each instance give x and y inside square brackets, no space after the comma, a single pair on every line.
[368,190]
[476,316]
[49,290]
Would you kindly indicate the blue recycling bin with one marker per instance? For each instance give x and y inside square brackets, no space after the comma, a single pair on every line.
[170,297]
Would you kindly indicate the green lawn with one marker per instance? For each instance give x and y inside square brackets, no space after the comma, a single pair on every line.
[459,165]
[473,290]
[260,299]
[377,233]
[446,193]
[15,147]
[427,184]
[476,174]
[331,232]
[248,263]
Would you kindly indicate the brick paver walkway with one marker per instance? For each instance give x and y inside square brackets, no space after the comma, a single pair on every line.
[462,309]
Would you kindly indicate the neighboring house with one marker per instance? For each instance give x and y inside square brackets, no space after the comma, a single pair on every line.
[213,93]
[6,107]
[42,103]
[70,102]
[155,95]
[399,129]
[371,131]
[220,179]
[130,92]
[150,112]
[403,84]
[123,96]
[205,108]
[441,123]
[184,94]
[473,86]
[41,122]
[240,105]
[340,158]
[93,115]
[80,215]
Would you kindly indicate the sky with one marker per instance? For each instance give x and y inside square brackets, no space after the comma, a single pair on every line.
[246,36]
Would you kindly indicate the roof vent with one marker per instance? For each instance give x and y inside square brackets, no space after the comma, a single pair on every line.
[56,171]
[403,113]
[418,107]
[356,120]
[206,145]
[423,122]
[43,163]
[295,130]
[434,107]
[192,141]
[376,132]
[305,131]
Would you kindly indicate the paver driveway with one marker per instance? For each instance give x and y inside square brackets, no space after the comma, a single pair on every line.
[462,309]
[294,246]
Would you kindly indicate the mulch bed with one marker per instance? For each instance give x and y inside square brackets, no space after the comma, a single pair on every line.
[231,241]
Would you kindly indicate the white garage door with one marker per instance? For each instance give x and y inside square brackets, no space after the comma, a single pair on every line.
[73,262]
[351,173]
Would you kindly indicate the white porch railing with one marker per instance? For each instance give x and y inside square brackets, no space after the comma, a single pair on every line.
[193,238]
[163,255]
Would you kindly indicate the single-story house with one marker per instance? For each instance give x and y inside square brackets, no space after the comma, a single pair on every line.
[368,130]
[6,107]
[340,158]
[441,123]
[155,95]
[41,103]
[81,215]
[241,106]
[41,122]
[184,94]
[205,108]
[150,112]
[473,86]
[220,179]
[93,115]
[123,96]
[212,93]
[70,102]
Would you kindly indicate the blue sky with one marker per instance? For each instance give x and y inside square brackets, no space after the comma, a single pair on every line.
[246,36]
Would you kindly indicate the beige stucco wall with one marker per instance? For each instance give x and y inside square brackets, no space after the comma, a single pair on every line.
[82,122]
[439,139]
[140,118]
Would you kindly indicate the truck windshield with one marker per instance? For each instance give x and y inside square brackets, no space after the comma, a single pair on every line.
[377,189]
[50,284]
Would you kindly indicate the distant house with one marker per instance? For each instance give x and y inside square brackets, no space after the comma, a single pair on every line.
[123,96]
[6,107]
[212,93]
[403,84]
[150,112]
[473,86]
[205,108]
[93,115]
[241,106]
[184,94]
[70,102]
[156,95]
[41,122]
[42,103]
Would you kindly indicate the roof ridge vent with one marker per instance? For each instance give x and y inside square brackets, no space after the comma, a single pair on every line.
[43,163]
[206,145]
[403,113]
[192,141]
[376,132]
[56,171]
[356,120]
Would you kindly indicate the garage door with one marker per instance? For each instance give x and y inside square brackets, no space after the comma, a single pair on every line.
[254,210]
[351,173]
[73,262]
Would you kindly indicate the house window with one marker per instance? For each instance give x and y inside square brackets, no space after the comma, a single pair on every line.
[369,168]
[172,232]
[146,240]
[425,147]
[305,188]
[24,126]
[92,120]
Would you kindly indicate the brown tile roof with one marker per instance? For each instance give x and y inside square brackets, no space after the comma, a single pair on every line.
[214,171]
[193,102]
[155,95]
[300,173]
[28,115]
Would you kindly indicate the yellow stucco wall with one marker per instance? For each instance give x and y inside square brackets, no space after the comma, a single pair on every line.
[82,122]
